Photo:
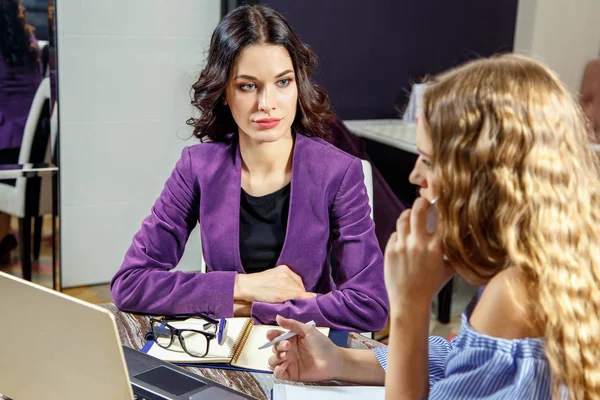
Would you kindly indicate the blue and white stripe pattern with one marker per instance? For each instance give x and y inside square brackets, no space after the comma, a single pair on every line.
[477,366]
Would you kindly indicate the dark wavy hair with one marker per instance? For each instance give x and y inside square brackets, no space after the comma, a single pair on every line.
[15,35]
[245,26]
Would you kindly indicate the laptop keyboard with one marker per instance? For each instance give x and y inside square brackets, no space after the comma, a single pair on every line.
[139,397]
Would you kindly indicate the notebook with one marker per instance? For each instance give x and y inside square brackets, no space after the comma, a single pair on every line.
[240,349]
[292,392]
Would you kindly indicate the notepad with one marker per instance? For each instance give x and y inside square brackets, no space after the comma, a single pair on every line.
[294,392]
[240,348]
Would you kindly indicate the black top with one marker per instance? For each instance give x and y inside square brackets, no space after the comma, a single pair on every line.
[263,223]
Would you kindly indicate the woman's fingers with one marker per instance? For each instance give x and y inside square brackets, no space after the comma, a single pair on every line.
[403,228]
[397,239]
[281,346]
[403,224]
[274,361]
[273,333]
[280,372]
[418,216]
[391,243]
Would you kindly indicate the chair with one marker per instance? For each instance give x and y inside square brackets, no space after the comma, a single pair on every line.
[590,95]
[25,200]
[44,57]
[368,176]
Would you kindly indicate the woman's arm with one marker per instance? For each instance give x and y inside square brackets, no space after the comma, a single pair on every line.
[414,272]
[360,366]
[360,301]
[145,283]
[312,357]
[408,373]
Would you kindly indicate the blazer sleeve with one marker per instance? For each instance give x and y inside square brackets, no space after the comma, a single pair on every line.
[145,282]
[359,302]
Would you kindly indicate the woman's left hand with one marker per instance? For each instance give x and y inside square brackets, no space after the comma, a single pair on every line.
[414,266]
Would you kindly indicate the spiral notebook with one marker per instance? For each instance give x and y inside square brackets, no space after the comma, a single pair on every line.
[240,349]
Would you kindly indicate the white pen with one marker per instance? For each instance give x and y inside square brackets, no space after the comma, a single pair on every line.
[285,336]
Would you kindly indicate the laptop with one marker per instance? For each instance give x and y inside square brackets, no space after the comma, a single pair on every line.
[53,346]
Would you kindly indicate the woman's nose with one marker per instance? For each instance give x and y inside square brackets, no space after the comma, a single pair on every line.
[266,100]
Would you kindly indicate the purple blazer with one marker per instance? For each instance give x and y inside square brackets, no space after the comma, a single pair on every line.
[329,211]
[17,90]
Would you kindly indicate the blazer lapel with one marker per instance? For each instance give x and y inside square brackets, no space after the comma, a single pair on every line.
[307,232]
[307,226]
[220,214]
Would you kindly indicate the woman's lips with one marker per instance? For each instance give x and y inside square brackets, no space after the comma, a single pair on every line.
[268,123]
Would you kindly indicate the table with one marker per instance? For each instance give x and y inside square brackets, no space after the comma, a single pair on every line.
[133,327]
[13,171]
[392,132]
[396,133]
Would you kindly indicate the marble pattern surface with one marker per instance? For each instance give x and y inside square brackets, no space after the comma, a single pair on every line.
[133,327]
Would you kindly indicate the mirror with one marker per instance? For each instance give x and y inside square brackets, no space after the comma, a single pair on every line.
[27,199]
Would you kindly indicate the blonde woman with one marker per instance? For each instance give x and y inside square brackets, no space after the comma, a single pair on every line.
[504,150]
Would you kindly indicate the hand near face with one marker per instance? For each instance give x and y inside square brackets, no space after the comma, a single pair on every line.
[414,266]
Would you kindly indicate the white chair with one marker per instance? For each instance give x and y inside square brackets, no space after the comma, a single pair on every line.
[368,174]
[31,197]
[45,56]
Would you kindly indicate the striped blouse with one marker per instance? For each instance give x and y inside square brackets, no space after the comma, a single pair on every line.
[477,366]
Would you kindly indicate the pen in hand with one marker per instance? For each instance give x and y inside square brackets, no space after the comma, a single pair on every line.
[283,337]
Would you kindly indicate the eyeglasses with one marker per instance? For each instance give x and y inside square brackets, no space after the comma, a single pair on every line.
[194,342]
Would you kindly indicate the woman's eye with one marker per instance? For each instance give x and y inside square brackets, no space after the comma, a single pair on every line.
[426,162]
[283,82]
[248,86]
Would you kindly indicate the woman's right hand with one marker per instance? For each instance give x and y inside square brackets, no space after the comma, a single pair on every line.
[275,285]
[309,356]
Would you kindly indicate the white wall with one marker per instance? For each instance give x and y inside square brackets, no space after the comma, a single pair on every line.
[564,34]
[125,72]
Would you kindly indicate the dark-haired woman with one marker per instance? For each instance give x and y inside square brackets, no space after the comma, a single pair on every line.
[20,76]
[274,200]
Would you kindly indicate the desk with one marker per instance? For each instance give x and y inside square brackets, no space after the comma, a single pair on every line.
[396,133]
[133,327]
[392,132]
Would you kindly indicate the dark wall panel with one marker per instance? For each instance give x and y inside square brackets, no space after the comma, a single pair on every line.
[370,51]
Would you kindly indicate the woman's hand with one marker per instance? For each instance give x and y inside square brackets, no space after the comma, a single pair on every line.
[414,272]
[414,267]
[275,285]
[308,357]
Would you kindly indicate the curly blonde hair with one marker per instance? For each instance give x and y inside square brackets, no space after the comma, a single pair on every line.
[518,186]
